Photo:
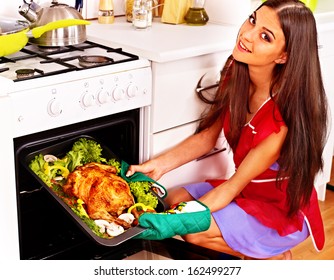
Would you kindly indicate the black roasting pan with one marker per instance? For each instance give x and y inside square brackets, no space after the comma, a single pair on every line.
[59,150]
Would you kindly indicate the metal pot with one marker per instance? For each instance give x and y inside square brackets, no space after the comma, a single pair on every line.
[14,35]
[39,16]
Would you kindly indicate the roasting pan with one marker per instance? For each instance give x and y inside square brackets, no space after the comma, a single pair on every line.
[59,150]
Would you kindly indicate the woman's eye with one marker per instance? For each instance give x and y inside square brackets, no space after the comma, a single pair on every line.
[264,36]
[252,20]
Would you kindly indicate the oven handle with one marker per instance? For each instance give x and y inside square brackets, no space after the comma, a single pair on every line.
[213,152]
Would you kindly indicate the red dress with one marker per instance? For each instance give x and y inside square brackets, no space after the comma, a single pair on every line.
[261,198]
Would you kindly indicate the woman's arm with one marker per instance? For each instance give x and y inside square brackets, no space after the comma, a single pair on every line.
[191,148]
[255,163]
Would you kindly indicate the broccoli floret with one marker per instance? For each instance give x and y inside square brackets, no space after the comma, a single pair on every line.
[37,165]
[141,191]
[74,159]
[148,199]
[115,163]
[92,151]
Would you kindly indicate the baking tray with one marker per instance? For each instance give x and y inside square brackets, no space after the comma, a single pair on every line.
[60,150]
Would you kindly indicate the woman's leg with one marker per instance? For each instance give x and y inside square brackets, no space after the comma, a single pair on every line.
[212,238]
[177,195]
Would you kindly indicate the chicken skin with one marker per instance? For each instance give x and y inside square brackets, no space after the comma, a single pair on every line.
[105,194]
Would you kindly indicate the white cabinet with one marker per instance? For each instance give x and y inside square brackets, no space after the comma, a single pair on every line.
[174,99]
[326,52]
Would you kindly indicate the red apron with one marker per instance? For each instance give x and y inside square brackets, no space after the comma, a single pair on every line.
[261,198]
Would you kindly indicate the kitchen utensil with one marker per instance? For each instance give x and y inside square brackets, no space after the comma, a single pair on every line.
[39,16]
[14,35]
[196,14]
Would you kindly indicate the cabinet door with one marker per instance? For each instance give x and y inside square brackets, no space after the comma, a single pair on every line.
[326,53]
[174,99]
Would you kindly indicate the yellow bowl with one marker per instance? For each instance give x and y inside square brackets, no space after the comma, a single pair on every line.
[312,4]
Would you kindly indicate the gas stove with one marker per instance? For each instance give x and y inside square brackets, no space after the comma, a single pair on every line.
[57,86]
[36,61]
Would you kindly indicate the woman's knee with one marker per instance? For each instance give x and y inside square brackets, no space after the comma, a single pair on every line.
[176,195]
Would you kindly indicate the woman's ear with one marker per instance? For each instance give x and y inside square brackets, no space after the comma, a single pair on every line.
[282,59]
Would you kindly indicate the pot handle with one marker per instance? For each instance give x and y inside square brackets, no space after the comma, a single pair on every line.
[78,5]
[38,31]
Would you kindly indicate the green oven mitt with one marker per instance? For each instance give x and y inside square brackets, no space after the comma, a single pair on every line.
[184,218]
[138,176]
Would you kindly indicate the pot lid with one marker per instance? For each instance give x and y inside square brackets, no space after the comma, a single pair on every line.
[12,26]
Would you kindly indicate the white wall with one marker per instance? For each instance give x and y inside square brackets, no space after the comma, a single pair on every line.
[10,8]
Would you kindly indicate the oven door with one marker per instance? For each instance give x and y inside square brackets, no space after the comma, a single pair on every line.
[45,229]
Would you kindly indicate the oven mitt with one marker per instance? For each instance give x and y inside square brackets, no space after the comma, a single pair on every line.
[186,217]
[138,177]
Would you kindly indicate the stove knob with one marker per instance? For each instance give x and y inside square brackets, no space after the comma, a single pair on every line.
[132,91]
[87,100]
[102,96]
[118,94]
[54,108]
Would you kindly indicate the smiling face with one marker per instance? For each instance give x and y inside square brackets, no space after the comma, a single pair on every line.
[261,41]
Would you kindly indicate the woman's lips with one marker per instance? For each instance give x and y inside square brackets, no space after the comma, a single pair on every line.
[243,48]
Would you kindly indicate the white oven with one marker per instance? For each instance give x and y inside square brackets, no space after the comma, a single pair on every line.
[60,98]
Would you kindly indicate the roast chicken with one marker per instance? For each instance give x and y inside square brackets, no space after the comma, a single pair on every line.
[105,194]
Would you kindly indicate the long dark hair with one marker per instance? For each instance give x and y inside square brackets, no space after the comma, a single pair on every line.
[299,95]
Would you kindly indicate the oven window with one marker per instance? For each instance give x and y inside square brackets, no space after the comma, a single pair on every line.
[46,231]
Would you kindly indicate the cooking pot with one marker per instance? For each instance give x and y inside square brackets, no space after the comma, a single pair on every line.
[39,16]
[14,35]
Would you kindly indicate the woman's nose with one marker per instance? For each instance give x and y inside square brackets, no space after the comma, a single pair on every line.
[248,35]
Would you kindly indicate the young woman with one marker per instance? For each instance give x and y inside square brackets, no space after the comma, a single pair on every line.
[272,107]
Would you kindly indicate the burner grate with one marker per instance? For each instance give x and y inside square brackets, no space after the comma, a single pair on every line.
[63,59]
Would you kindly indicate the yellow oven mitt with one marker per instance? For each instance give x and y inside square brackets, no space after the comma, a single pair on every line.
[184,218]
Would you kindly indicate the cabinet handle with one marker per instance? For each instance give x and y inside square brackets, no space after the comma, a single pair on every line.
[211,153]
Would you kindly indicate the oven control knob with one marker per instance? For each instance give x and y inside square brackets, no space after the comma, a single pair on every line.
[132,91]
[118,94]
[102,96]
[87,100]
[54,108]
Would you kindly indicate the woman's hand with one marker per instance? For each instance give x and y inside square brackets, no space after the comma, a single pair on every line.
[149,168]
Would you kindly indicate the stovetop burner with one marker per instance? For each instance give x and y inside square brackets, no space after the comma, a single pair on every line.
[47,49]
[27,73]
[94,60]
[56,60]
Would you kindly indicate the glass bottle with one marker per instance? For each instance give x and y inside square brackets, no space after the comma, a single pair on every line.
[106,11]
[142,14]
[128,10]
[196,14]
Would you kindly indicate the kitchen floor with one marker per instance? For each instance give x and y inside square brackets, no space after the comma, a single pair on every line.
[306,251]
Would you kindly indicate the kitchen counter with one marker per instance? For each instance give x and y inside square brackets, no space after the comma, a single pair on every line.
[167,42]
[164,42]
